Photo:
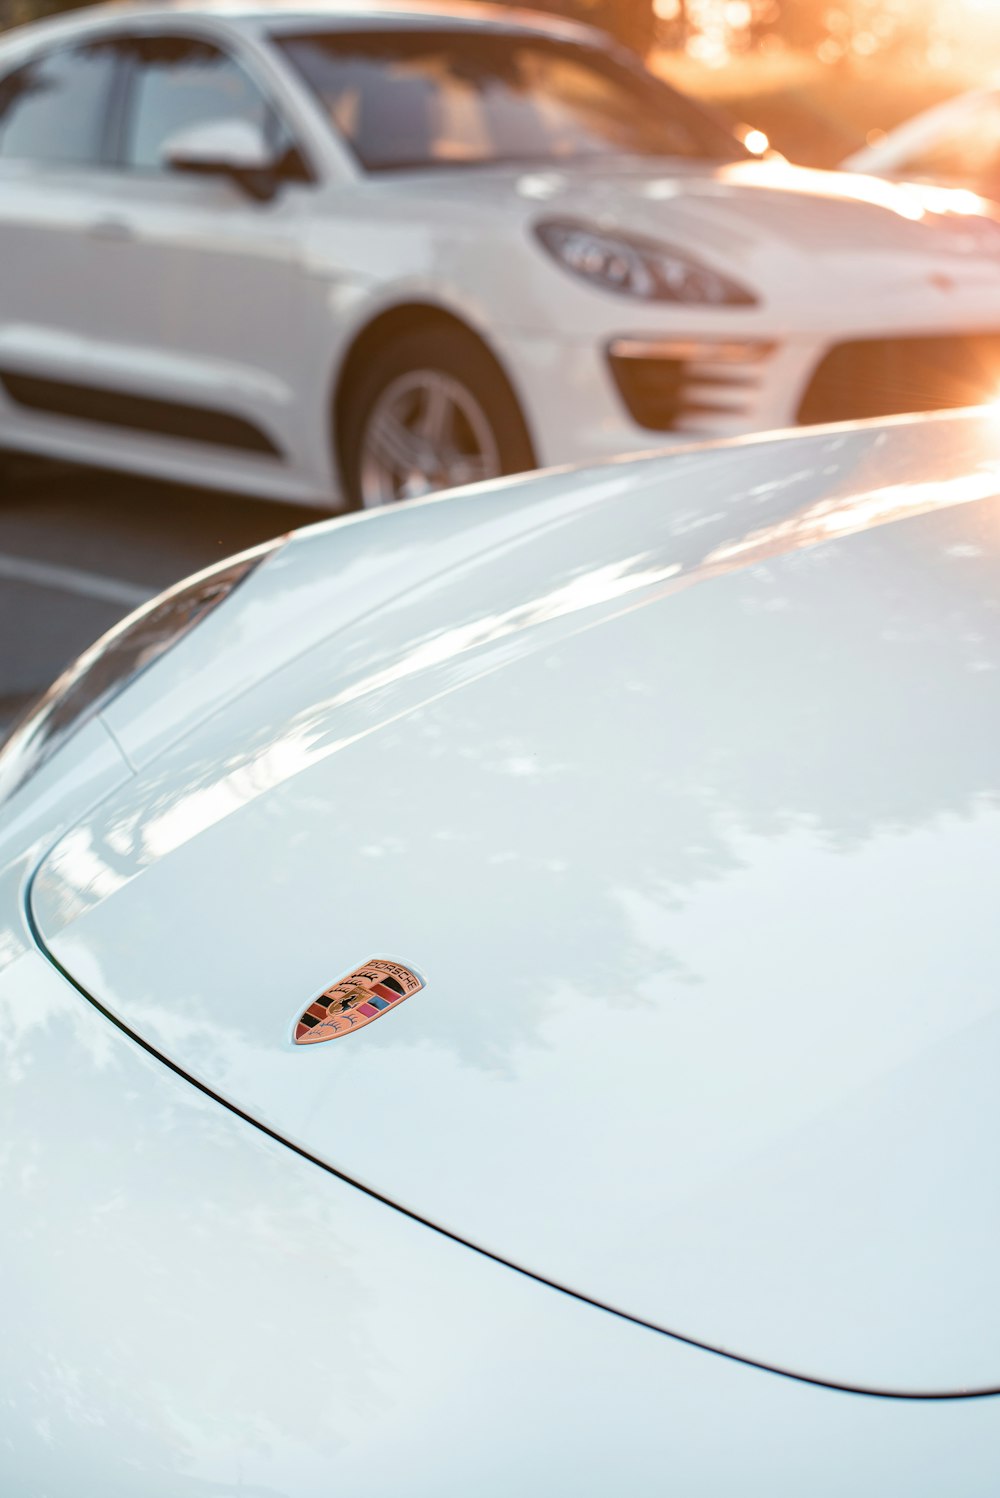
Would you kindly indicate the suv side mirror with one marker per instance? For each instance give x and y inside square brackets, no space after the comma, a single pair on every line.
[226,148]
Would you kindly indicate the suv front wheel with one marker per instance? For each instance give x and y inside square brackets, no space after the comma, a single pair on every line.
[429,411]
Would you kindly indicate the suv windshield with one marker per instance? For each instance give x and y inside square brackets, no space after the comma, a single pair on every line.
[416,99]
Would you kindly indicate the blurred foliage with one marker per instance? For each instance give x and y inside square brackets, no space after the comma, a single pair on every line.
[813,113]
[16,12]
[931,33]
[817,76]
[925,32]
[821,79]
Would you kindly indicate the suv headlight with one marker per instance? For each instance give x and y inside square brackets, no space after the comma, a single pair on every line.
[639,268]
[115,661]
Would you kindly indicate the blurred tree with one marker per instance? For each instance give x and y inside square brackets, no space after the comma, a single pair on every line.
[630,21]
[672,23]
[16,12]
[926,33]
[801,27]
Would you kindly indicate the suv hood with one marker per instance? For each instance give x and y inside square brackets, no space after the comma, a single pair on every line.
[728,209]
[685,802]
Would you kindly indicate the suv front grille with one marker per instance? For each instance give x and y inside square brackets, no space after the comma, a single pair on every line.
[660,393]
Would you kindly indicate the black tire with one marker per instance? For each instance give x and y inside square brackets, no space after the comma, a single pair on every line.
[447,351]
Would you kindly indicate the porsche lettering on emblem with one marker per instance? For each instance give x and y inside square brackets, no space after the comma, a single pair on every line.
[354,1001]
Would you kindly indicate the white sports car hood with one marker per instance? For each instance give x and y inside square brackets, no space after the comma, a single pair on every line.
[685,803]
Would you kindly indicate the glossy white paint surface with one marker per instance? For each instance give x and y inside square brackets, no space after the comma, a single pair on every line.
[187,290]
[681,777]
[87,768]
[191,1310]
[676,782]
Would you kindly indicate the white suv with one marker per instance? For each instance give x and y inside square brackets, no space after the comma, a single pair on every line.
[346,255]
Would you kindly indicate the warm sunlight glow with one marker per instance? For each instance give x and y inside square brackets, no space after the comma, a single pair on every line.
[756,141]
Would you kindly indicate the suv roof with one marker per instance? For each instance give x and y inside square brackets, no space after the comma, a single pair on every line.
[329,13]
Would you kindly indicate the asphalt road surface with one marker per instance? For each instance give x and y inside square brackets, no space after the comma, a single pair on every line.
[78,550]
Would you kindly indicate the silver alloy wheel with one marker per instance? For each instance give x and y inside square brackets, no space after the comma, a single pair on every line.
[426,431]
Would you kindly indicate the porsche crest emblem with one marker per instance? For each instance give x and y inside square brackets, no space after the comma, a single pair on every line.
[354,1001]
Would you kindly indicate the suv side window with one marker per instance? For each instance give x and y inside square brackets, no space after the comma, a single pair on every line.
[55,107]
[179,82]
